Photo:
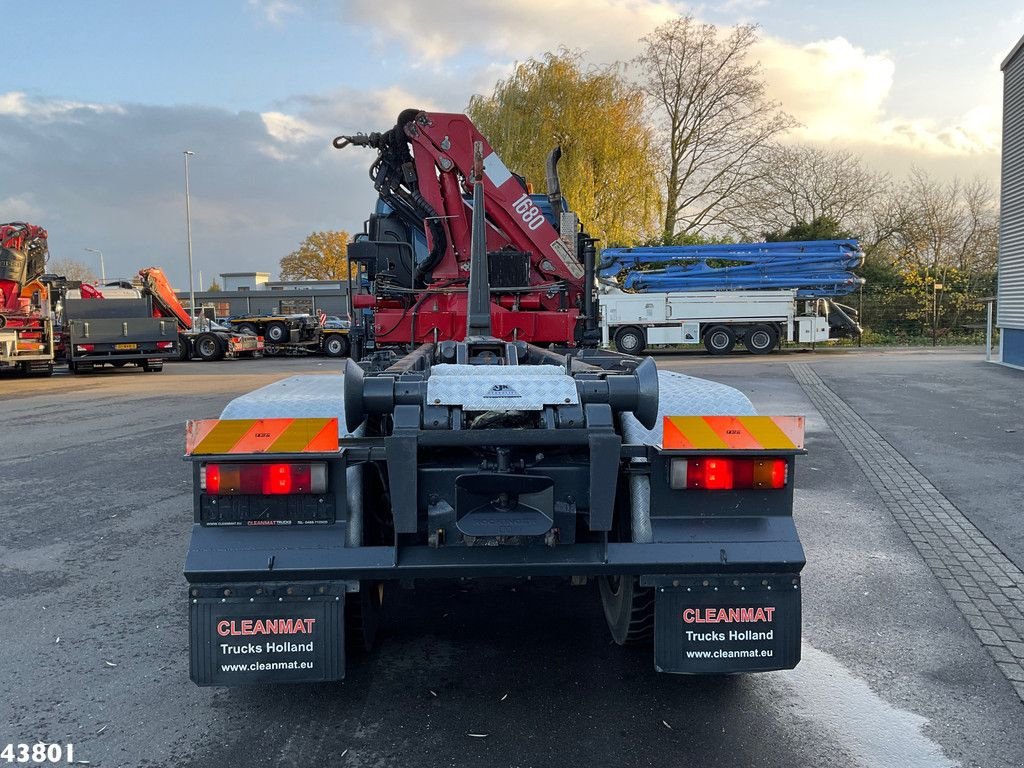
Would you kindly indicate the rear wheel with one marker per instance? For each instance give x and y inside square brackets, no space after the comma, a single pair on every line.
[184,349]
[628,608]
[761,339]
[78,367]
[277,333]
[335,345]
[248,328]
[719,340]
[362,616]
[208,347]
[630,340]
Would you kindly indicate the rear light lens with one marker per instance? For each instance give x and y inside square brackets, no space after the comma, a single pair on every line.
[263,479]
[84,347]
[726,473]
[164,344]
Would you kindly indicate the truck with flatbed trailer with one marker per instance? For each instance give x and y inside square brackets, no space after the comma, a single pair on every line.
[461,449]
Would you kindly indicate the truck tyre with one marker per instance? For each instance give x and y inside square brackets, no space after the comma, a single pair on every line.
[209,348]
[362,617]
[628,608]
[719,340]
[77,367]
[248,328]
[277,333]
[335,345]
[760,339]
[630,340]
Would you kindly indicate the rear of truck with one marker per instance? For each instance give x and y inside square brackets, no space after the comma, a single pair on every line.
[667,491]
[117,332]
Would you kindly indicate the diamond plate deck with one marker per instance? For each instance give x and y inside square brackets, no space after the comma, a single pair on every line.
[500,388]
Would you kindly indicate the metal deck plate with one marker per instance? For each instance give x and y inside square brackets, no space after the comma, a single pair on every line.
[500,387]
[297,397]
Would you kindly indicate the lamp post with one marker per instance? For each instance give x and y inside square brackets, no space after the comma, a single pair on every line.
[103,271]
[188,226]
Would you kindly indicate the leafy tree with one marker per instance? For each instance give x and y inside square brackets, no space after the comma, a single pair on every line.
[607,171]
[72,270]
[321,256]
[716,127]
[820,228]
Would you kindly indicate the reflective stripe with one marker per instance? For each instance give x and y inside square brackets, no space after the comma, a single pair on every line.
[734,432]
[224,436]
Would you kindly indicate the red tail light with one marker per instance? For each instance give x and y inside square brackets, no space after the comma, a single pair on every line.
[164,344]
[263,479]
[84,347]
[723,473]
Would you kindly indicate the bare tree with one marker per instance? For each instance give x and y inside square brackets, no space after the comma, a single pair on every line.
[807,183]
[717,125]
[72,270]
[941,226]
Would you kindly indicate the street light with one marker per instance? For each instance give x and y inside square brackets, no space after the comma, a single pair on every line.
[103,272]
[188,225]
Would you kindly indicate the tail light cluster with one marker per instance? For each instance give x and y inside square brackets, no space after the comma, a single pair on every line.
[164,344]
[726,473]
[277,479]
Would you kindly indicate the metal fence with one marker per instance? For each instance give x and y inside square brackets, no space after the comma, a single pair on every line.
[912,315]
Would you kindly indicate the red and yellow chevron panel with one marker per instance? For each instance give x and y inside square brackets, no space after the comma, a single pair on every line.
[220,436]
[733,433]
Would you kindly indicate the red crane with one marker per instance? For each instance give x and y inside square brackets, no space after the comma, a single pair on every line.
[423,175]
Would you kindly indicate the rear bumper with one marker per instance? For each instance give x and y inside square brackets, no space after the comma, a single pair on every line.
[732,546]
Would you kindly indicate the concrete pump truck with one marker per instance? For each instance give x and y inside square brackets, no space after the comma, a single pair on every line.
[487,436]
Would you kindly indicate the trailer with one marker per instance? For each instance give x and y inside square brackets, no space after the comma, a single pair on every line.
[760,320]
[294,334]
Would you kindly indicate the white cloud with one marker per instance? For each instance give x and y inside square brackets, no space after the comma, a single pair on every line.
[18,104]
[608,29]
[21,208]
[274,11]
[287,129]
[841,93]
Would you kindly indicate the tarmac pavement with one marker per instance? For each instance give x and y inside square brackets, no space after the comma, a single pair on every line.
[96,514]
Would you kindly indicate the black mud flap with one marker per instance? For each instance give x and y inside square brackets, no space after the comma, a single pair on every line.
[257,635]
[714,625]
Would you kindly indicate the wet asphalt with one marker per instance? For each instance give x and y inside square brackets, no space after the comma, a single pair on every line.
[93,646]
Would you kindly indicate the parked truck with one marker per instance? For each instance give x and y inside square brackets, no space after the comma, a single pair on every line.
[27,339]
[197,336]
[462,448]
[759,294]
[117,332]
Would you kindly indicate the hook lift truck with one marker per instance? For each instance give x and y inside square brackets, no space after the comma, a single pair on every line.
[480,453]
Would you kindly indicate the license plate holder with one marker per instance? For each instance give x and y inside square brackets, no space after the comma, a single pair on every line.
[727,624]
[270,637]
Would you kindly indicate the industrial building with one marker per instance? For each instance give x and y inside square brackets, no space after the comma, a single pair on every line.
[1010,298]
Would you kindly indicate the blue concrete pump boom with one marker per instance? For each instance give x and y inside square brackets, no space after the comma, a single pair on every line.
[817,269]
